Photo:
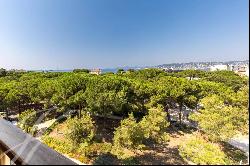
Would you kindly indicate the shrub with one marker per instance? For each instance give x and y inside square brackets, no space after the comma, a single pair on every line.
[129,135]
[61,146]
[199,151]
[81,130]
[154,125]
[106,159]
[221,121]
[27,120]
[34,130]
[94,149]
[163,138]
[131,161]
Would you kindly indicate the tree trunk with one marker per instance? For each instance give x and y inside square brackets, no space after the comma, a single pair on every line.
[79,111]
[7,114]
[168,114]
[180,111]
[19,110]
[196,105]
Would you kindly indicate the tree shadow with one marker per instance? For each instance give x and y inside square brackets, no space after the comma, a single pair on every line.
[160,156]
[164,156]
[106,159]
[105,128]
[180,129]
[234,153]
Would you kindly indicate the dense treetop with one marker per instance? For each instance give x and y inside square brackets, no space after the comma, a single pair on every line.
[132,91]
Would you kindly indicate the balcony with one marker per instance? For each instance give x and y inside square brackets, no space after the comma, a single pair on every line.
[19,148]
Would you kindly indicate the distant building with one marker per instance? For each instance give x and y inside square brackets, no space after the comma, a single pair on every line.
[247,72]
[192,78]
[219,67]
[230,67]
[96,71]
[242,70]
[171,70]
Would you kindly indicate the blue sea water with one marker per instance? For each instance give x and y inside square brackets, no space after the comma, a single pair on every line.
[103,70]
[114,70]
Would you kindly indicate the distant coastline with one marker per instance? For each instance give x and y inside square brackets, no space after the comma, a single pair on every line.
[68,70]
[114,70]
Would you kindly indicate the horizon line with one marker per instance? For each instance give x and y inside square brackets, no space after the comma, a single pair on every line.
[136,66]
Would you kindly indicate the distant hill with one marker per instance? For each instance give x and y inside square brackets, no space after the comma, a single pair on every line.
[200,65]
[187,65]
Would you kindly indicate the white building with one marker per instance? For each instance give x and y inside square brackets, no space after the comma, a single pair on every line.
[247,71]
[219,67]
[230,67]
[96,71]
[242,70]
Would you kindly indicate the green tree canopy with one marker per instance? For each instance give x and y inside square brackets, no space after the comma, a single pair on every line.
[81,70]
[220,120]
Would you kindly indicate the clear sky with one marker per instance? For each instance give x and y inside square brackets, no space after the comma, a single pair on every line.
[68,34]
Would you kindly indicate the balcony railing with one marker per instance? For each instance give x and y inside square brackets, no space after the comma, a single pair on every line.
[17,147]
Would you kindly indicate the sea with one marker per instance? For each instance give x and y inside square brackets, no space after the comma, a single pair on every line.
[68,70]
[105,70]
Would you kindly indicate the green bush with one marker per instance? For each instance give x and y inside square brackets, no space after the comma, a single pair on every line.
[34,130]
[81,130]
[199,151]
[106,159]
[62,146]
[26,120]
[94,149]
[221,121]
[83,152]
[128,135]
[163,138]
[154,125]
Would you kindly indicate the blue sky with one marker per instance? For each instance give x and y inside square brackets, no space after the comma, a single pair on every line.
[68,34]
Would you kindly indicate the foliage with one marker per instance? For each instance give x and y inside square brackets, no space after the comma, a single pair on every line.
[117,94]
[82,152]
[131,70]
[108,73]
[199,151]
[163,138]
[120,71]
[229,78]
[81,130]
[175,92]
[135,91]
[154,125]
[241,98]
[107,94]
[81,70]
[128,135]
[62,146]
[131,134]
[94,149]
[27,119]
[221,121]
[3,72]
[191,74]
[106,159]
